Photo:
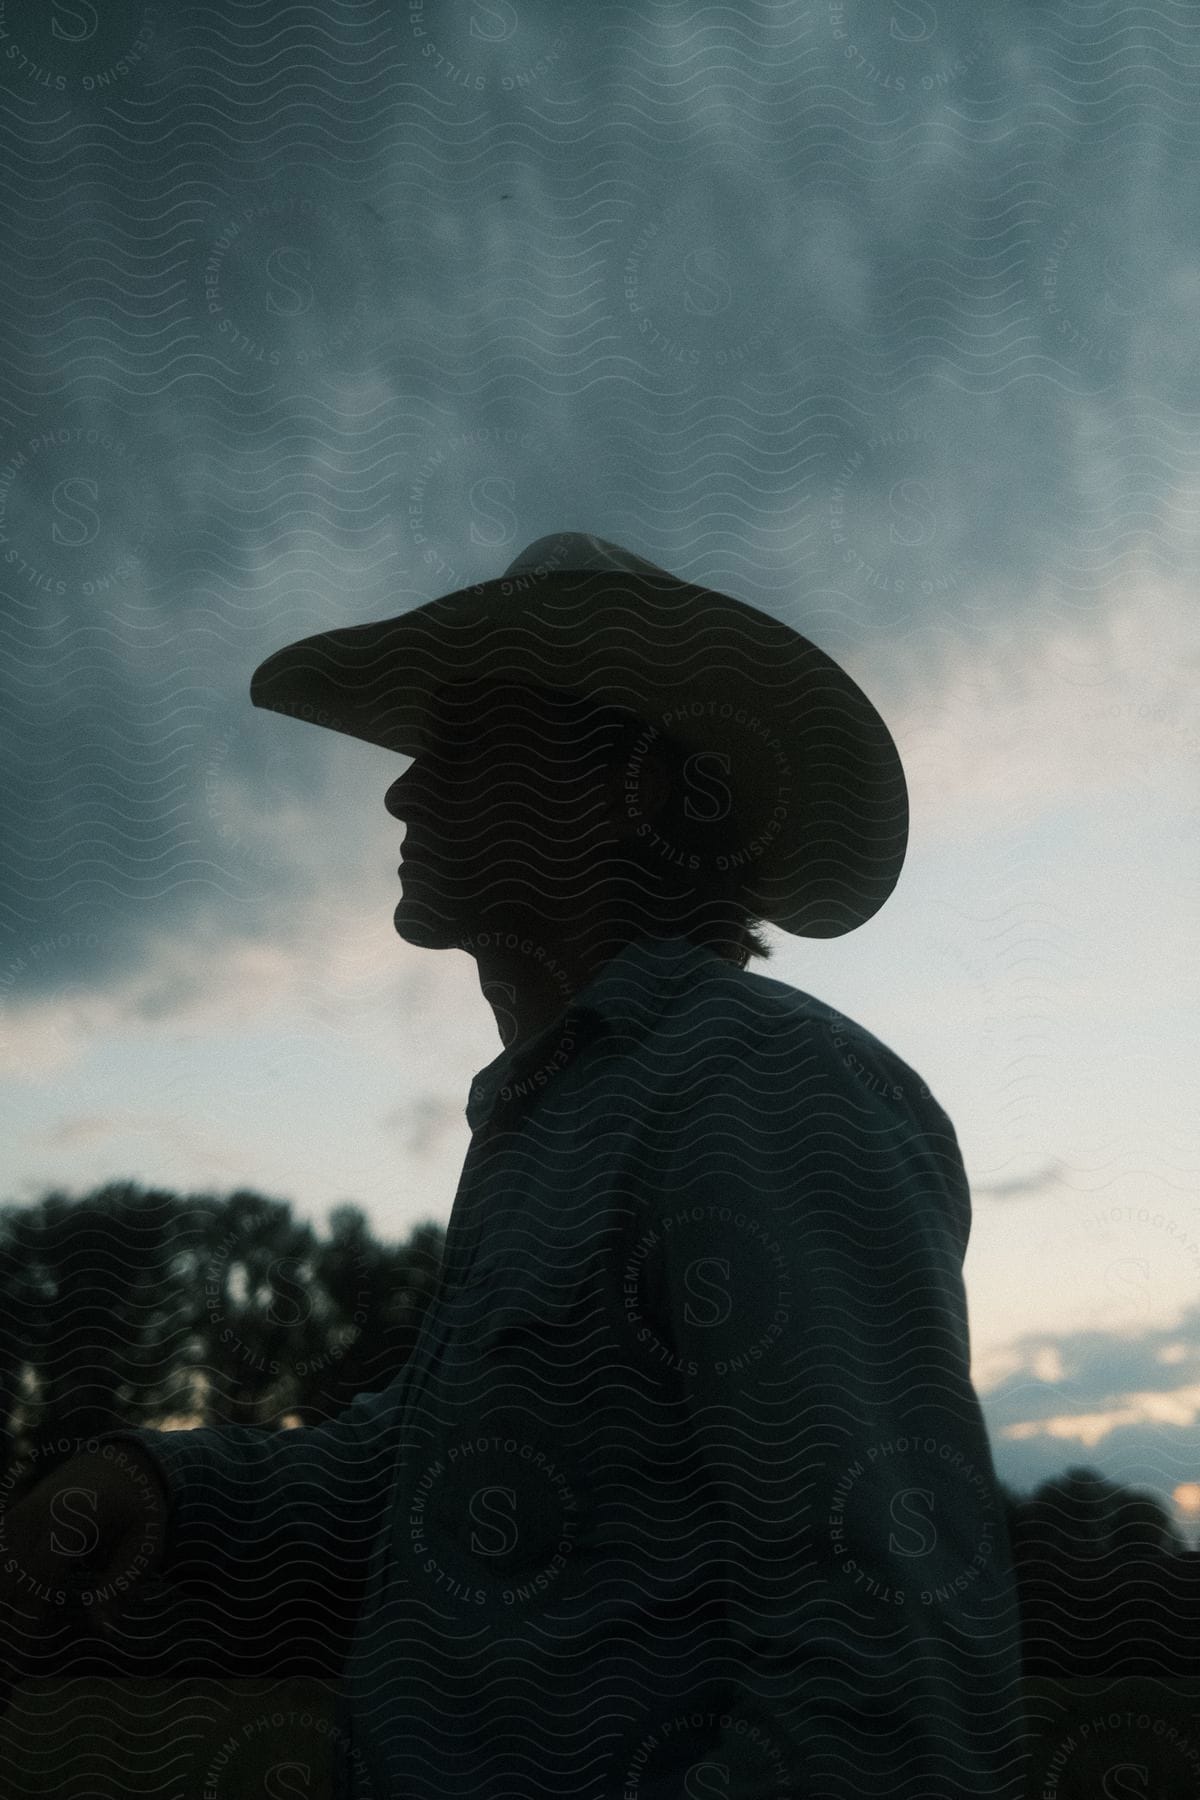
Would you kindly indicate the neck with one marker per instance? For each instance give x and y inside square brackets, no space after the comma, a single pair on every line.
[528,973]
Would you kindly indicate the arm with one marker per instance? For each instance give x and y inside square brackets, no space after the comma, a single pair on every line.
[808,1275]
[236,1494]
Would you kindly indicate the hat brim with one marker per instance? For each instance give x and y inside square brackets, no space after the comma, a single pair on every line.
[809,751]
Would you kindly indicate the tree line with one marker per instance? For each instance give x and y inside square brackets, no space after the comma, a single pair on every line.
[139,1306]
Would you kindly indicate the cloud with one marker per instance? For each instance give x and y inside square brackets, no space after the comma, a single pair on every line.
[426,1124]
[1046,1392]
[82,1128]
[173,1134]
[1020,1187]
[177,981]
[892,303]
[1128,1402]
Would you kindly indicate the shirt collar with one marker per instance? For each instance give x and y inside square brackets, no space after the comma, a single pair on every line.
[625,997]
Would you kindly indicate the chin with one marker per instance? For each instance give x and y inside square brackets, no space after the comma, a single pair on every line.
[419,923]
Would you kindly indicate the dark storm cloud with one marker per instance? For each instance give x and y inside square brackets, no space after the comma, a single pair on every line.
[879,315]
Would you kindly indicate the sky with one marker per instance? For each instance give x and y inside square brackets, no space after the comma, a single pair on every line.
[881,317]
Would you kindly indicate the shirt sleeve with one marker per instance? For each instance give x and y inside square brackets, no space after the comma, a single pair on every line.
[808,1272]
[238,1495]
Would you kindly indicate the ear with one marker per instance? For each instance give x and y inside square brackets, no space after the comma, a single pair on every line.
[636,791]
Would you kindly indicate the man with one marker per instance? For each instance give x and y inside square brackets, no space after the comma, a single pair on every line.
[685,1488]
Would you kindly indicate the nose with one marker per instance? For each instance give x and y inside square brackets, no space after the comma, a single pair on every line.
[396,798]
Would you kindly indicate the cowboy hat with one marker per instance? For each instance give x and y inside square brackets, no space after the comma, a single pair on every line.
[817,784]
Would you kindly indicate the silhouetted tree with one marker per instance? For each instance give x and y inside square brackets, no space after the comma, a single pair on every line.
[1104,1584]
[135,1306]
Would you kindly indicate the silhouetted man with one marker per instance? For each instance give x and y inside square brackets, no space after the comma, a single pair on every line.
[685,1488]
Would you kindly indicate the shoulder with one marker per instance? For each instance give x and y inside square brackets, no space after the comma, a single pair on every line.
[748,1020]
[766,1079]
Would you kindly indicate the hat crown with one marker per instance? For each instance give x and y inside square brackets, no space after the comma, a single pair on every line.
[581,550]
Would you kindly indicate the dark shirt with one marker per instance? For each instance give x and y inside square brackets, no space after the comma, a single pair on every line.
[685,1488]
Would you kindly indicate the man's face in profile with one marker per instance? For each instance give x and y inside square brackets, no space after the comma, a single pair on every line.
[505,810]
